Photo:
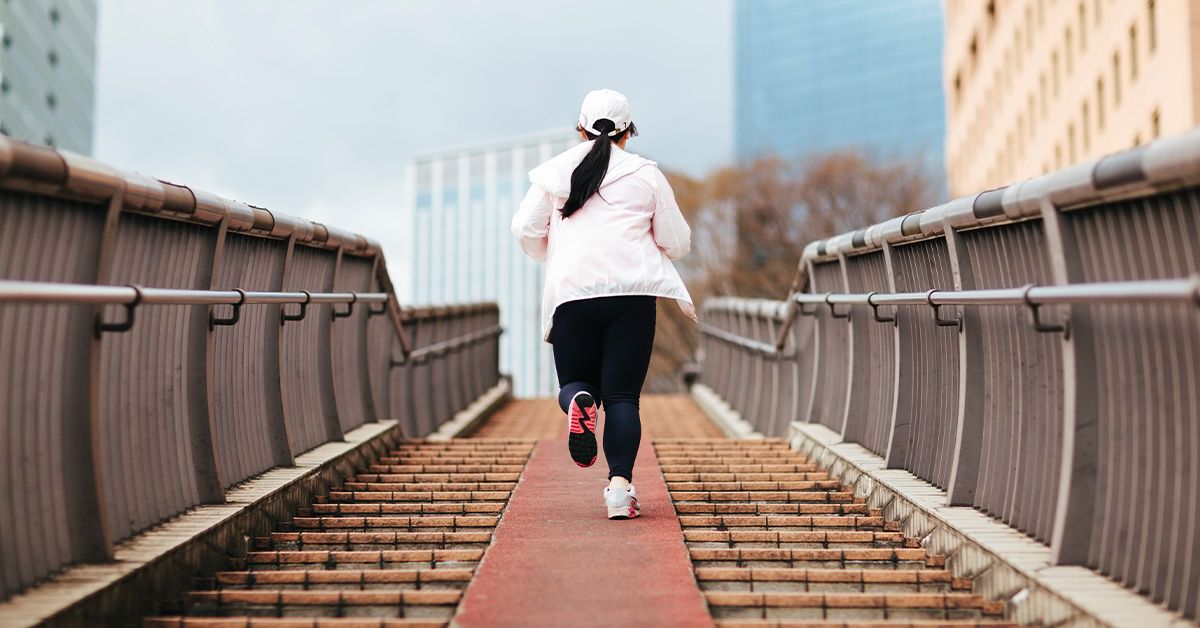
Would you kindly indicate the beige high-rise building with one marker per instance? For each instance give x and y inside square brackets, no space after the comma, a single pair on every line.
[1036,85]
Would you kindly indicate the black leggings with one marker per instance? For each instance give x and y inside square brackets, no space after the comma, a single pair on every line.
[602,345]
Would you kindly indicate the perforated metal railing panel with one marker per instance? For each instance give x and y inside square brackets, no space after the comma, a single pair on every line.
[151,438]
[115,417]
[305,366]
[833,365]
[247,402]
[41,410]
[1146,531]
[348,345]
[927,393]
[873,358]
[1019,469]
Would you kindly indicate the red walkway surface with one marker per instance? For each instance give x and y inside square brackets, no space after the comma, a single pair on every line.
[557,561]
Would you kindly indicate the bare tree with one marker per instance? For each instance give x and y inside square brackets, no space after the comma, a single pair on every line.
[750,223]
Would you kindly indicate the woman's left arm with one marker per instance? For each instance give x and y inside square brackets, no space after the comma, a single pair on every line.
[671,231]
[531,223]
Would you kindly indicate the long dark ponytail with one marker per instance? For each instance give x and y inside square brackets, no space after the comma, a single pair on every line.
[589,174]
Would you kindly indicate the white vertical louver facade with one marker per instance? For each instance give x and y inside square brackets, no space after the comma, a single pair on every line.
[462,200]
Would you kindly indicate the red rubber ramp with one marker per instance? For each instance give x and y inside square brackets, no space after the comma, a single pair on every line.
[556,560]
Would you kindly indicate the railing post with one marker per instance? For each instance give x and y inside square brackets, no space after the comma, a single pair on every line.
[845,287]
[84,473]
[899,434]
[964,471]
[1073,514]
[807,417]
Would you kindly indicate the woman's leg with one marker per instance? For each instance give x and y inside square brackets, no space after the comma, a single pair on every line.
[576,344]
[625,358]
[577,359]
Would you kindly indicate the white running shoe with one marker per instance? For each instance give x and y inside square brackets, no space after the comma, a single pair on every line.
[622,503]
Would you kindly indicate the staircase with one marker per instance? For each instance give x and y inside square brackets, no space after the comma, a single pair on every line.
[775,542]
[396,546]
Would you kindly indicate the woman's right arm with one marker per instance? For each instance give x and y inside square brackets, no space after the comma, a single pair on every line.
[531,223]
[671,231]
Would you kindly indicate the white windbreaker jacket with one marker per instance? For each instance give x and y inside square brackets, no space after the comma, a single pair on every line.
[620,242]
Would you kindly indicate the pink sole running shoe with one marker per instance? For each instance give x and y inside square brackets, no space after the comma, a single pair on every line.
[581,429]
[621,503]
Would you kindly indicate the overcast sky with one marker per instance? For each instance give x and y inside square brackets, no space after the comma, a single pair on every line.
[312,108]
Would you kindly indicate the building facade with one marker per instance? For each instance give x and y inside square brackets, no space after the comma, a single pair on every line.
[48,72]
[462,250]
[1035,85]
[812,77]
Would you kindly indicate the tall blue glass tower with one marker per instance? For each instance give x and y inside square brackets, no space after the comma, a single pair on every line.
[819,75]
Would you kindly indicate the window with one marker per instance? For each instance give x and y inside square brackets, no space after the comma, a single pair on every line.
[1070,143]
[1057,156]
[1042,93]
[6,41]
[1041,10]
[1054,72]
[1100,104]
[3,85]
[51,100]
[1032,119]
[1152,25]
[1096,12]
[1085,126]
[1137,140]
[1028,27]
[991,13]
[1155,125]
[974,49]
[1133,53]
[52,57]
[1083,26]
[48,140]
[1067,53]
[54,16]
[1116,79]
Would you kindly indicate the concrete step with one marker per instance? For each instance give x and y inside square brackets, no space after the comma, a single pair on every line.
[437,477]
[359,560]
[764,507]
[289,622]
[852,606]
[897,623]
[382,540]
[474,467]
[405,508]
[785,522]
[797,580]
[818,484]
[746,477]
[696,466]
[428,486]
[406,603]
[347,579]
[417,496]
[451,523]
[827,495]
[803,539]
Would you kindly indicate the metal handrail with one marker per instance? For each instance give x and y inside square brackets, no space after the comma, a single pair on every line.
[1159,290]
[422,354]
[1186,290]
[48,292]
[755,346]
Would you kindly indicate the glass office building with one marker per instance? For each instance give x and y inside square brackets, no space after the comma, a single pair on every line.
[815,76]
[48,72]
[462,250]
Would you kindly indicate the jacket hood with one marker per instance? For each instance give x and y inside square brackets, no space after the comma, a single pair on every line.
[554,176]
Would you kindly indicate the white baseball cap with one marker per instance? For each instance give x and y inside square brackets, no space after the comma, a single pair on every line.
[605,103]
